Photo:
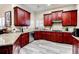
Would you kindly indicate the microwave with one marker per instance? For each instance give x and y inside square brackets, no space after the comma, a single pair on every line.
[76,32]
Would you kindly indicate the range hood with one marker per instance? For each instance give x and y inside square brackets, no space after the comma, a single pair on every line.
[57,21]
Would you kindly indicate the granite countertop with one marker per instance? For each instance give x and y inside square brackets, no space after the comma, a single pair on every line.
[75,37]
[54,31]
[9,38]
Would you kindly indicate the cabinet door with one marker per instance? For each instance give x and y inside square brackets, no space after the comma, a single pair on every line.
[46,35]
[67,38]
[74,18]
[16,22]
[24,39]
[47,20]
[52,37]
[58,36]
[27,18]
[50,20]
[37,35]
[21,17]
[54,16]
[59,15]
[66,18]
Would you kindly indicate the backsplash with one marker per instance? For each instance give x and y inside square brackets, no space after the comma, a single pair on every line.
[70,28]
[57,26]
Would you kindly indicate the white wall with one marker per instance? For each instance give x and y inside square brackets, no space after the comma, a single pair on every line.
[4,8]
[65,8]
[78,16]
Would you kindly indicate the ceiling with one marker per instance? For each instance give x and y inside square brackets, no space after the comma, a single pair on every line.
[39,7]
[44,7]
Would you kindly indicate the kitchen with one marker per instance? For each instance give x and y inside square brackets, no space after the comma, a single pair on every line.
[54,22]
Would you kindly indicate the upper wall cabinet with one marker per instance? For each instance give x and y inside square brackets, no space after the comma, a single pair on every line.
[21,17]
[54,15]
[66,18]
[57,15]
[74,18]
[70,18]
[47,20]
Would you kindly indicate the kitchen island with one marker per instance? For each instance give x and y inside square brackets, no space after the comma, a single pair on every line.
[12,40]
[9,38]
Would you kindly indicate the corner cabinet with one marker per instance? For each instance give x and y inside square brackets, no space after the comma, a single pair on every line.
[70,18]
[47,20]
[21,17]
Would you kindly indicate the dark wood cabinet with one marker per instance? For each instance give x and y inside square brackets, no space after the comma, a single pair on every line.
[56,36]
[54,16]
[50,36]
[27,18]
[57,15]
[74,17]
[70,18]
[45,35]
[62,37]
[66,18]
[67,38]
[37,35]
[22,40]
[6,49]
[21,17]
[47,20]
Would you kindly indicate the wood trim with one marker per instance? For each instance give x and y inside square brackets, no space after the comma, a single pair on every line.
[22,9]
[57,11]
[69,11]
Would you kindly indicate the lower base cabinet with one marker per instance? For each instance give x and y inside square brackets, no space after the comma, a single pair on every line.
[67,38]
[7,49]
[50,36]
[63,37]
[56,36]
